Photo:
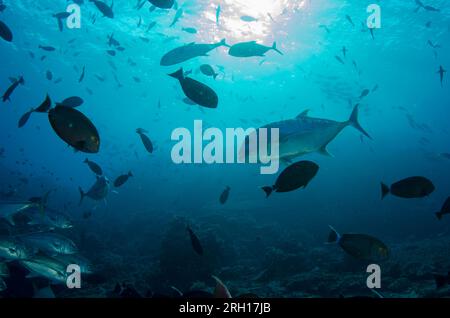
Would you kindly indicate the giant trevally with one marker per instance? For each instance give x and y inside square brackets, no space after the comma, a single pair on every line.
[98,191]
[305,134]
[48,267]
[50,243]
[249,49]
[189,51]
[13,249]
[9,209]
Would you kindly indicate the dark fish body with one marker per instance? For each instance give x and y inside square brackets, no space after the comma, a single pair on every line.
[360,246]
[5,32]
[120,181]
[293,177]
[94,167]
[162,4]
[444,210]
[145,140]
[250,49]
[196,245]
[49,75]
[198,92]
[224,196]
[82,75]
[104,8]
[10,90]
[409,188]
[47,48]
[75,129]
[187,52]
[71,102]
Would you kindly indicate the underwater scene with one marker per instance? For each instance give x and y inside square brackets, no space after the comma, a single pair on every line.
[224,149]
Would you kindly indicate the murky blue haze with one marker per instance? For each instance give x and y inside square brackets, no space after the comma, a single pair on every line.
[270,247]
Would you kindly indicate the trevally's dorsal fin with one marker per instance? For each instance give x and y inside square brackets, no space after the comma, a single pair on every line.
[303,114]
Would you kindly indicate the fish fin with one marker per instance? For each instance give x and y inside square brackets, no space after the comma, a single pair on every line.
[303,114]
[353,121]
[274,47]
[324,151]
[334,236]
[82,195]
[439,215]
[384,190]
[267,190]
[178,74]
[221,291]
[223,42]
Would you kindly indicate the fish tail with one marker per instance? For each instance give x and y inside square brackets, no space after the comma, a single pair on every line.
[274,47]
[353,121]
[267,190]
[384,190]
[439,215]
[178,74]
[82,195]
[223,42]
[334,236]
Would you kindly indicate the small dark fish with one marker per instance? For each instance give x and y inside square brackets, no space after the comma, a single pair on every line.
[349,19]
[72,102]
[444,210]
[145,140]
[11,89]
[49,75]
[94,167]
[196,91]
[293,177]
[82,74]
[177,17]
[251,49]
[47,48]
[360,246]
[207,70]
[224,196]
[190,30]
[5,32]
[120,181]
[441,73]
[409,188]
[196,245]
[111,52]
[75,129]
[364,93]
[339,60]
[151,26]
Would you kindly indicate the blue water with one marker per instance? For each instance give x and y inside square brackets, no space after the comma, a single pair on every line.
[407,116]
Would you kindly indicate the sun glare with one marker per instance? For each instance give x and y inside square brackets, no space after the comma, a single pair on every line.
[242,20]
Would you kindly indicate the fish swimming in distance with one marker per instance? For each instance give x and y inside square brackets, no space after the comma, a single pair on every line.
[199,93]
[250,49]
[120,181]
[95,168]
[98,191]
[106,10]
[145,140]
[224,196]
[189,51]
[208,70]
[444,210]
[196,245]
[12,88]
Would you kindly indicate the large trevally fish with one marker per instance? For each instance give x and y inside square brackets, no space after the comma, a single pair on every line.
[305,134]
[190,51]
